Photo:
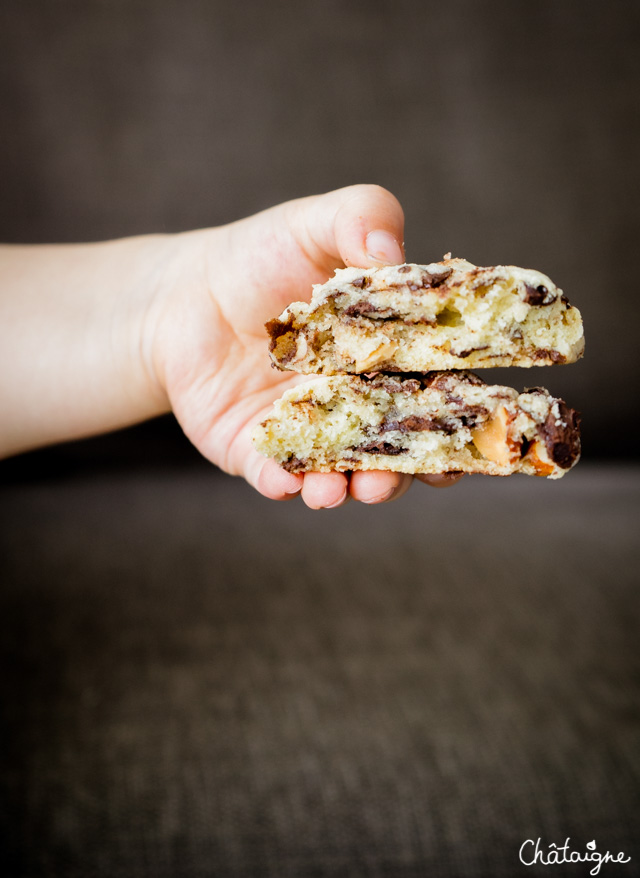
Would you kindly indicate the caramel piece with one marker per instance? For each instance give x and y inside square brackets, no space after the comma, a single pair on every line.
[493,441]
[379,355]
[538,457]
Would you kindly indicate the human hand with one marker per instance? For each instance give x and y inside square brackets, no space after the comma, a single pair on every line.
[209,348]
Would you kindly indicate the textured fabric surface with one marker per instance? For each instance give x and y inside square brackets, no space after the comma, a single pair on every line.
[510,132]
[198,682]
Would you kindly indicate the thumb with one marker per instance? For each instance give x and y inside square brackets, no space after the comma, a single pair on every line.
[359,225]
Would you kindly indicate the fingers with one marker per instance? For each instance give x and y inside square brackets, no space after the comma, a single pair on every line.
[360,225]
[275,483]
[319,490]
[441,480]
[331,490]
[325,490]
[378,487]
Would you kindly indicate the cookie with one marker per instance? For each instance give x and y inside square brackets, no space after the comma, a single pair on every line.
[432,423]
[446,315]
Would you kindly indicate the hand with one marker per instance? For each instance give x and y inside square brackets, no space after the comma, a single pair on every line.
[209,342]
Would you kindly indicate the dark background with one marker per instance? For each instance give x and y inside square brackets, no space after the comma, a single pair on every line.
[196,682]
[508,130]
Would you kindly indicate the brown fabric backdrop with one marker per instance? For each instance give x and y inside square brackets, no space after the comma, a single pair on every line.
[509,130]
[200,683]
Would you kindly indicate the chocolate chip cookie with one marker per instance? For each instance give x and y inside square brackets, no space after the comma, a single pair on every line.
[438,422]
[445,315]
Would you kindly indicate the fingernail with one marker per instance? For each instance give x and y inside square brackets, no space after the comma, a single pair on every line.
[338,502]
[381,498]
[383,247]
[441,480]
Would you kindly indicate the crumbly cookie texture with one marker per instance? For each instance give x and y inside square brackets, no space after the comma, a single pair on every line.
[446,315]
[432,423]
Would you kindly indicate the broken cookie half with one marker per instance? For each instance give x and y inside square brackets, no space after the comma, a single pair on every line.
[431,423]
[417,318]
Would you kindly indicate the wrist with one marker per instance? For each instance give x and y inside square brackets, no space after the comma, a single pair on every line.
[180,293]
[129,303]
[75,326]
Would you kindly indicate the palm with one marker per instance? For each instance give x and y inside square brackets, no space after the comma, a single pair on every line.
[223,383]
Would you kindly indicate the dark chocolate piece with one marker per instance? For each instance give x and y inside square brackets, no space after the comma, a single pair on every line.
[470,414]
[380,448]
[539,295]
[418,423]
[430,279]
[293,464]
[547,354]
[467,353]
[449,381]
[525,445]
[462,416]
[435,279]
[393,383]
[368,309]
[276,329]
[562,439]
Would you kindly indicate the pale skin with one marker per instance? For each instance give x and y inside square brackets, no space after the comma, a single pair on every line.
[94,337]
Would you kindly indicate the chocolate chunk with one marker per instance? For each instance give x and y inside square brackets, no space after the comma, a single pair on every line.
[411,385]
[361,282]
[449,381]
[293,464]
[284,350]
[436,278]
[393,384]
[277,327]
[418,423]
[403,269]
[430,279]
[546,354]
[539,295]
[525,446]
[411,382]
[283,343]
[469,351]
[368,309]
[461,416]
[470,414]
[562,435]
[380,448]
